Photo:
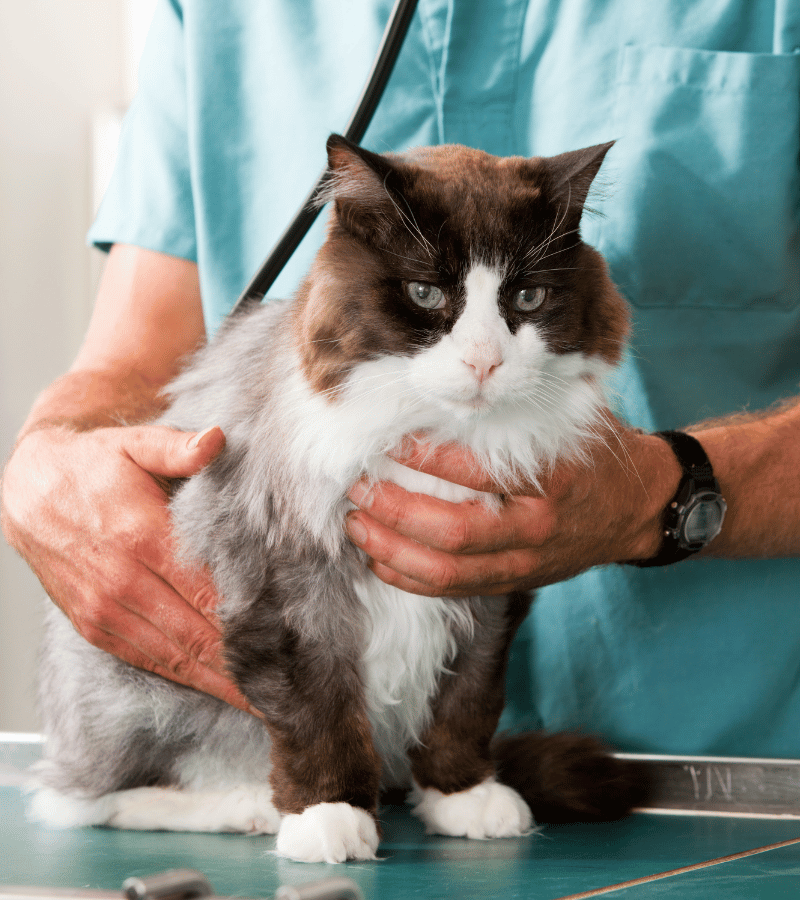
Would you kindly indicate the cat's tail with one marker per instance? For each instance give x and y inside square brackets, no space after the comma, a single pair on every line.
[567,777]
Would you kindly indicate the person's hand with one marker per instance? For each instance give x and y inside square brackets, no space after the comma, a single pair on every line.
[86,511]
[580,516]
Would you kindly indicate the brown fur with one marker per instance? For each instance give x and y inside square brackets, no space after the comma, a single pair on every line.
[330,765]
[454,752]
[569,777]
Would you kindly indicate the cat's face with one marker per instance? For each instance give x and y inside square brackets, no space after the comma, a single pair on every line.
[458,281]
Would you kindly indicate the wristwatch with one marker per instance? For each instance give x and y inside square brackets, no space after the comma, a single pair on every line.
[694,516]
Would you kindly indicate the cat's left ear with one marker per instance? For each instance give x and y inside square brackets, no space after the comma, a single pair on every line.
[572,175]
[359,184]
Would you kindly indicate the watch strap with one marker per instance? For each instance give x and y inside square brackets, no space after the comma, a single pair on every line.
[698,472]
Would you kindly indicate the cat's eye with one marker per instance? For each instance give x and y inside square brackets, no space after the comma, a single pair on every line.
[529,299]
[428,296]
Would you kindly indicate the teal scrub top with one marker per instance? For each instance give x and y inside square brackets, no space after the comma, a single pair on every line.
[698,204]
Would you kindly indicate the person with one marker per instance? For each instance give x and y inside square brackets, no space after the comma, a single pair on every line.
[699,228]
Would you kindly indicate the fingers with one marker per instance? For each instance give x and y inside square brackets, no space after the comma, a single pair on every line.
[145,641]
[431,547]
[454,463]
[100,539]
[137,616]
[425,589]
[420,569]
[449,461]
[164,451]
[464,528]
[167,619]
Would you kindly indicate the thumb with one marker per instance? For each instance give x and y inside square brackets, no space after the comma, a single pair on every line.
[171,453]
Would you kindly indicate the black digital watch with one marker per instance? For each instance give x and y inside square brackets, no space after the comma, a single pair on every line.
[694,516]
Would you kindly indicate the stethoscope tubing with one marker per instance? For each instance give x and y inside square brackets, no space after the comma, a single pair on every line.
[385,59]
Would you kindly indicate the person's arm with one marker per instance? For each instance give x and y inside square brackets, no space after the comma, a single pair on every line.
[607,512]
[80,495]
[756,459]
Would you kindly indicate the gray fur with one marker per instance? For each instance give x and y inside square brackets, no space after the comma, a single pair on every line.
[110,726]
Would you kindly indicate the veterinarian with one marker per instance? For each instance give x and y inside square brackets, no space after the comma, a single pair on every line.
[700,228]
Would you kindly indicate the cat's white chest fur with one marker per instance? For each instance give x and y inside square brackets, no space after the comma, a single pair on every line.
[409,641]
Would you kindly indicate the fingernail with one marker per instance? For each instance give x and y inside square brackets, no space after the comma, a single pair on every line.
[361,495]
[358,533]
[194,442]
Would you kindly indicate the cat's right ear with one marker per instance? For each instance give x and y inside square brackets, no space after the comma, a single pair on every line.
[572,175]
[359,185]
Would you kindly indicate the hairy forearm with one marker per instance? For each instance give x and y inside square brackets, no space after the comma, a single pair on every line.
[86,399]
[756,459]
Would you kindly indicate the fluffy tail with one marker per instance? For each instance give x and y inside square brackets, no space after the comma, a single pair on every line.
[568,777]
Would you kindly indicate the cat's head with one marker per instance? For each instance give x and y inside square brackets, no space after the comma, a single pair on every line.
[463,277]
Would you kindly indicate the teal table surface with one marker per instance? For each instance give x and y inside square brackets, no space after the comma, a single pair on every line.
[557,862]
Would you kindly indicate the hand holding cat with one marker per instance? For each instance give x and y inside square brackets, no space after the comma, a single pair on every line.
[580,516]
[101,546]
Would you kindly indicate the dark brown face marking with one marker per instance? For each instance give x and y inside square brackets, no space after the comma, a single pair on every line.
[430,215]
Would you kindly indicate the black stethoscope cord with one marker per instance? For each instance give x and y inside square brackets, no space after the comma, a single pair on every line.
[393,37]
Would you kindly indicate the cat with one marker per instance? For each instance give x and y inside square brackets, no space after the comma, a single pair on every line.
[453,297]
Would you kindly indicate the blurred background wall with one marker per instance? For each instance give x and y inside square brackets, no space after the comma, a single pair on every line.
[67,73]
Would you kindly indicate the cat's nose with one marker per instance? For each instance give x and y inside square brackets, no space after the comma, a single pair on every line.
[483,363]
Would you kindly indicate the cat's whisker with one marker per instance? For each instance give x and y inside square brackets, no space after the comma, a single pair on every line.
[536,271]
[545,245]
[551,236]
[556,252]
[401,256]
[543,254]
[414,231]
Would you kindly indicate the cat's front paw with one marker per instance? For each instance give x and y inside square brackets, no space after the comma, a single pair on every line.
[328,832]
[488,810]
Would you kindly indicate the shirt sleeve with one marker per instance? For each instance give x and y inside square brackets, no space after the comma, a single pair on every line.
[148,202]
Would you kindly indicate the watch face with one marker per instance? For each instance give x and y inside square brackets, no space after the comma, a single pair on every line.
[702,519]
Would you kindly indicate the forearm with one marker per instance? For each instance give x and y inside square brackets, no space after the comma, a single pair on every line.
[757,462]
[86,399]
[147,317]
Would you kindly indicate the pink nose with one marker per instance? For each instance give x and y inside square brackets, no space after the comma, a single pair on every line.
[483,364]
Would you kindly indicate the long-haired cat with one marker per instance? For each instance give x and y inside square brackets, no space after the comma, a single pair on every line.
[453,297]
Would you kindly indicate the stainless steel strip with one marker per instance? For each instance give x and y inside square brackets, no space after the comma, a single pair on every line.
[722,785]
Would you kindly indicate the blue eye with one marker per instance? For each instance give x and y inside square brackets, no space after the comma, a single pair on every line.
[428,296]
[529,299]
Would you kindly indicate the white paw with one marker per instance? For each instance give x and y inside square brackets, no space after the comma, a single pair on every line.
[488,810]
[328,832]
[56,810]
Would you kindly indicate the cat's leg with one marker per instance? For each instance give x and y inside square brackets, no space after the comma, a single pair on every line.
[325,777]
[247,809]
[325,771]
[455,790]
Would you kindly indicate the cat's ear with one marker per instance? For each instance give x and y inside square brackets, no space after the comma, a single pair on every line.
[359,185]
[572,175]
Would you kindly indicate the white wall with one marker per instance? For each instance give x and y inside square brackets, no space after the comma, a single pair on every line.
[64,67]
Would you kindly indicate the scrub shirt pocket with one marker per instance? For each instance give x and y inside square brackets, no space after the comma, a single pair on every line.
[703,207]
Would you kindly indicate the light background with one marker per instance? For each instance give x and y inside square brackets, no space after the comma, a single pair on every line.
[67,72]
